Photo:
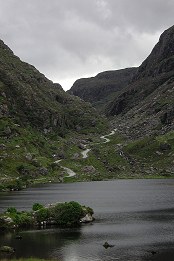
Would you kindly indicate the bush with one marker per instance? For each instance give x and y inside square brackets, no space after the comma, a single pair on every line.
[42,215]
[87,210]
[23,219]
[67,214]
[12,210]
[37,206]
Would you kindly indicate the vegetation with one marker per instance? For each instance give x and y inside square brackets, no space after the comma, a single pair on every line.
[37,120]
[66,214]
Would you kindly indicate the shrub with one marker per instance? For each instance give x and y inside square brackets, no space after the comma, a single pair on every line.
[67,214]
[23,219]
[37,206]
[12,210]
[87,210]
[42,215]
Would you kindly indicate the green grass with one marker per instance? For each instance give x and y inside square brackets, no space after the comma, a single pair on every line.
[104,157]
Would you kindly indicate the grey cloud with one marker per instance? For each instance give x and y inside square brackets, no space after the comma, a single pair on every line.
[68,39]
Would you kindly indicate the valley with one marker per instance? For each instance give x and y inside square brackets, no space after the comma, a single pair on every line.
[49,135]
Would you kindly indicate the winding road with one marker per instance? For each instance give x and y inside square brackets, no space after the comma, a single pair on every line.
[84,153]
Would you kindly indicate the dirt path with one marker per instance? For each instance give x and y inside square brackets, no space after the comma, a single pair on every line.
[84,154]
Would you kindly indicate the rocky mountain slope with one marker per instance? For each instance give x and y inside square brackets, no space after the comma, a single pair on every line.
[30,98]
[146,105]
[100,89]
[37,121]
[143,115]
[41,124]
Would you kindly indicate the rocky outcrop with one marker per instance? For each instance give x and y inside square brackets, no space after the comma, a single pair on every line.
[98,89]
[7,249]
[31,99]
[87,219]
[146,105]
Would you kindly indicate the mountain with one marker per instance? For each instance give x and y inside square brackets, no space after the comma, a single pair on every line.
[39,122]
[30,98]
[142,112]
[147,102]
[100,89]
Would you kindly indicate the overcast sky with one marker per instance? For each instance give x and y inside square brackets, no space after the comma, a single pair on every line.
[71,39]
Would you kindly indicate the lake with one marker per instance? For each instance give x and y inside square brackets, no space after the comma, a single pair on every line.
[136,216]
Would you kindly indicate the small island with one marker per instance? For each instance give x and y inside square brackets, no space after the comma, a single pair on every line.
[67,214]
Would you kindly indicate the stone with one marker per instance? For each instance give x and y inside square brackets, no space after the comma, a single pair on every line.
[2,146]
[89,169]
[165,146]
[28,156]
[7,249]
[159,153]
[106,245]
[7,130]
[76,156]
[81,146]
[88,218]
[43,171]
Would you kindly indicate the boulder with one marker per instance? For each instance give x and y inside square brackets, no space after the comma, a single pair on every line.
[81,146]
[43,171]
[106,245]
[86,219]
[165,146]
[6,222]
[76,156]
[7,249]
[28,156]
[89,169]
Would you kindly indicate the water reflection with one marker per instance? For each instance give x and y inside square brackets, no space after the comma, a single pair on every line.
[41,243]
[136,216]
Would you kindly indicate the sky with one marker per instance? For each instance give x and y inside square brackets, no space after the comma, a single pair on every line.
[71,39]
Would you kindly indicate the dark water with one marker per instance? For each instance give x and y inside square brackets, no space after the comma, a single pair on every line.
[136,216]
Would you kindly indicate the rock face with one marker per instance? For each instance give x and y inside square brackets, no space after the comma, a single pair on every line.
[7,249]
[147,102]
[31,99]
[87,219]
[97,89]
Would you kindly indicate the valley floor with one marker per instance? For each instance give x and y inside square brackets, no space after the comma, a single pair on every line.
[32,159]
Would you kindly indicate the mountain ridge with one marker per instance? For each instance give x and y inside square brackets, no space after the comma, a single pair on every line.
[98,89]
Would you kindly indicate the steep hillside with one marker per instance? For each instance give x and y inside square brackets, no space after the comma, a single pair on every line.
[98,89]
[38,123]
[30,98]
[146,105]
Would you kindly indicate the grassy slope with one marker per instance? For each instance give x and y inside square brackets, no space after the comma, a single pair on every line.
[120,158]
[31,156]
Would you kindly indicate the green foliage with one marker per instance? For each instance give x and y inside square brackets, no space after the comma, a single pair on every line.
[12,210]
[68,213]
[42,215]
[37,206]
[23,219]
[88,210]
